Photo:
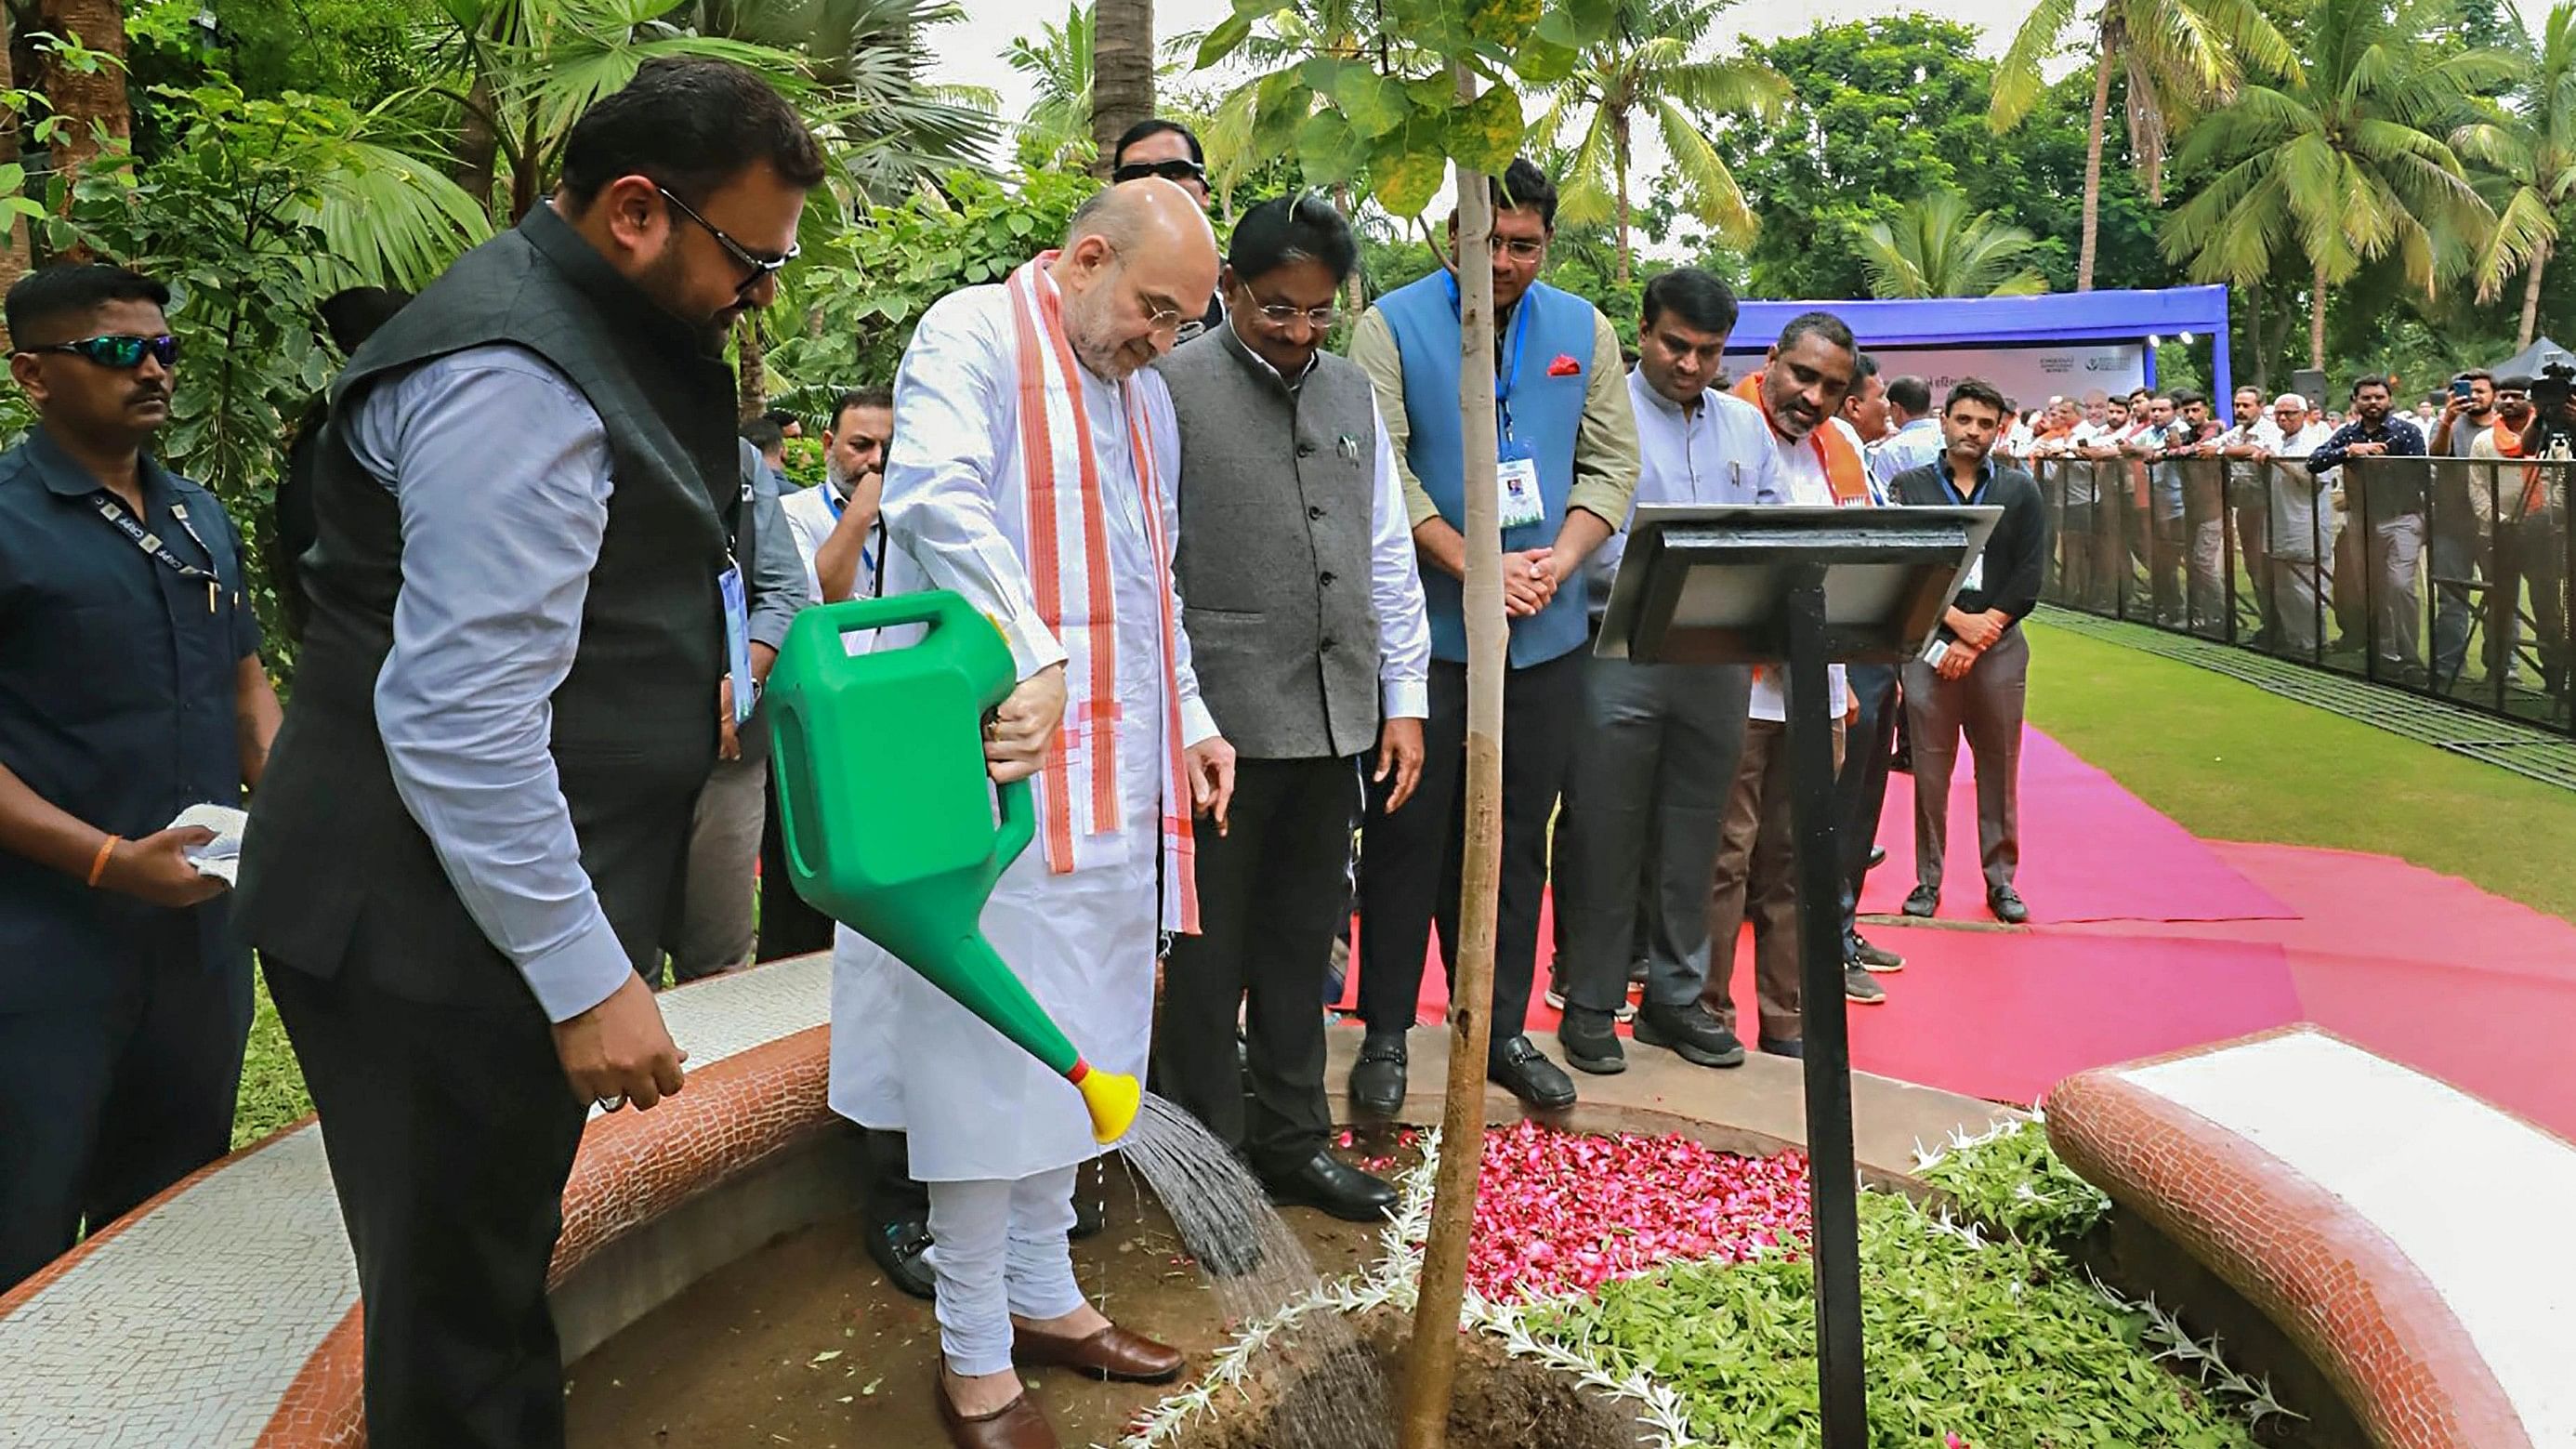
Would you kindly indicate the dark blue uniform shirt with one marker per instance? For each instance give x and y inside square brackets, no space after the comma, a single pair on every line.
[116,705]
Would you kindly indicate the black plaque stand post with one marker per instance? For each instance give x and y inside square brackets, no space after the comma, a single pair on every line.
[1804,587]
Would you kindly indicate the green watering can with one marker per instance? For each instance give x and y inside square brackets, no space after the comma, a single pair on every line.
[888,815]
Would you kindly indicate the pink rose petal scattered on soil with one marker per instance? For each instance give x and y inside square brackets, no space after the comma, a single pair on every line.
[1563,1210]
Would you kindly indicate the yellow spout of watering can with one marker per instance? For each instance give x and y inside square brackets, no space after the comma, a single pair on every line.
[902,840]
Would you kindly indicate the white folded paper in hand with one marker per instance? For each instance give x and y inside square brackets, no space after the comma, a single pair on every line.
[221,856]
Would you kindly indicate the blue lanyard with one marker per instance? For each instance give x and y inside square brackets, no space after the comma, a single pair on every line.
[1509,377]
[838,504]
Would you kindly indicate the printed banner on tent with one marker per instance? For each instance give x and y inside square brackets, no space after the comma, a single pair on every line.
[2030,375]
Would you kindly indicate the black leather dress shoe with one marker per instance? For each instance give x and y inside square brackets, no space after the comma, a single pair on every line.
[1090,1200]
[1377,1078]
[1924,901]
[1325,1181]
[2007,905]
[1520,1068]
[1877,857]
[1793,1049]
[900,1246]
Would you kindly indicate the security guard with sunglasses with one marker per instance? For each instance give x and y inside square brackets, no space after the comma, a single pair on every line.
[130,689]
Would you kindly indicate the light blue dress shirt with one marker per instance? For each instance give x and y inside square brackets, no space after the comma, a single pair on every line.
[1908,448]
[1719,452]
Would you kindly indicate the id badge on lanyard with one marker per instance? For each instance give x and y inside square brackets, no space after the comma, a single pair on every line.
[737,619]
[1516,476]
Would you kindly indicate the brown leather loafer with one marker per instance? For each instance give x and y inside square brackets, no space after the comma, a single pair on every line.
[1015,1425]
[1112,1353]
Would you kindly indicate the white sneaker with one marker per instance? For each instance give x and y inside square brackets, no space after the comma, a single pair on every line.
[1627,1009]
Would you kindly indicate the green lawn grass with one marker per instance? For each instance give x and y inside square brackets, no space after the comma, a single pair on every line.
[2233,762]
[2227,760]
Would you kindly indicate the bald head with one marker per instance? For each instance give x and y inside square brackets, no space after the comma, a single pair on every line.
[1138,261]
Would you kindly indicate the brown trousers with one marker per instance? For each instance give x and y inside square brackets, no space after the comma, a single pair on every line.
[1757,879]
[1986,705]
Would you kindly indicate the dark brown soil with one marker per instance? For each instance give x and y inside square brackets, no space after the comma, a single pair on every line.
[1496,1401]
[804,1343]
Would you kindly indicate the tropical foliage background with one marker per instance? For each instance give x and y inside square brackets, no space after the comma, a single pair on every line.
[2383,183]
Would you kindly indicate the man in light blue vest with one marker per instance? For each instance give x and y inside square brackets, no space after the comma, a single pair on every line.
[1568,472]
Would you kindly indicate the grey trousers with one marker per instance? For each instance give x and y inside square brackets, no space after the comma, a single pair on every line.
[2396,546]
[1987,704]
[1644,804]
[724,855]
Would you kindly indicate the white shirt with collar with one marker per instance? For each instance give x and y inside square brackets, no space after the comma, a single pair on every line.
[1803,474]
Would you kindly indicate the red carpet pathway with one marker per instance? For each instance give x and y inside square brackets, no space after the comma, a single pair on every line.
[2145,939]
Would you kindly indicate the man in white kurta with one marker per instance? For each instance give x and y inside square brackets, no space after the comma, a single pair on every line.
[994,1134]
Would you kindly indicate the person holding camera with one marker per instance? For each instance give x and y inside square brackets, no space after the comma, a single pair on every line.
[2528,506]
[2457,525]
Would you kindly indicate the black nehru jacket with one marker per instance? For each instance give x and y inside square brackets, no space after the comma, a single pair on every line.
[2016,557]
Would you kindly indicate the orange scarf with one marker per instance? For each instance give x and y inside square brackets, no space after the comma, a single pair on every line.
[2508,444]
[1069,570]
[1845,469]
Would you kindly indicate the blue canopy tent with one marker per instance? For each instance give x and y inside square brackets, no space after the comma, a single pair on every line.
[1971,324]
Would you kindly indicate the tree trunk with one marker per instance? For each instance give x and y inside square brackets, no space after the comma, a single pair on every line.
[2262,354]
[14,256]
[523,173]
[2317,321]
[1122,72]
[478,142]
[1619,168]
[2093,173]
[2531,297]
[1355,289]
[1432,1360]
[751,369]
[94,104]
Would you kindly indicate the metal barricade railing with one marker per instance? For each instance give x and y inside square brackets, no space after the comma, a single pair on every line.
[2447,577]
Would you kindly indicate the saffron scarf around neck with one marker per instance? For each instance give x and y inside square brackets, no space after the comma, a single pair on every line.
[1845,469]
[1066,526]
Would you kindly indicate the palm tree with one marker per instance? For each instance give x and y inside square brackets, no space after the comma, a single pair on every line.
[2346,163]
[1651,64]
[1058,60]
[1934,248]
[2179,57]
[2530,144]
[884,124]
[1122,71]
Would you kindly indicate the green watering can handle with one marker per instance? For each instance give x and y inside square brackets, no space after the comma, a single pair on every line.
[1019,822]
[938,609]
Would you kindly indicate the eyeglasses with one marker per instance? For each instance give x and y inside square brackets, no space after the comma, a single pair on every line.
[1280,314]
[125,353]
[1522,248]
[1173,170]
[761,265]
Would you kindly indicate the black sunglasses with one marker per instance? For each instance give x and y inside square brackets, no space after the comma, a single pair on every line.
[760,265]
[1174,170]
[124,353]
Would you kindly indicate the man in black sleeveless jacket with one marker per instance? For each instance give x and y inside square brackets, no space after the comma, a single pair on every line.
[529,635]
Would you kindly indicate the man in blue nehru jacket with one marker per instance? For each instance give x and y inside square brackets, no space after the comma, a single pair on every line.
[1568,471]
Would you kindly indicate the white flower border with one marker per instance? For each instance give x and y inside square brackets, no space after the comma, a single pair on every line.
[1393,1278]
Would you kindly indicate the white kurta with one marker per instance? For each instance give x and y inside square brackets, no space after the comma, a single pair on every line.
[904,1055]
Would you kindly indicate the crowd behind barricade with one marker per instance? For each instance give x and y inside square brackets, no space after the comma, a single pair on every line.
[522,778]
[2425,547]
